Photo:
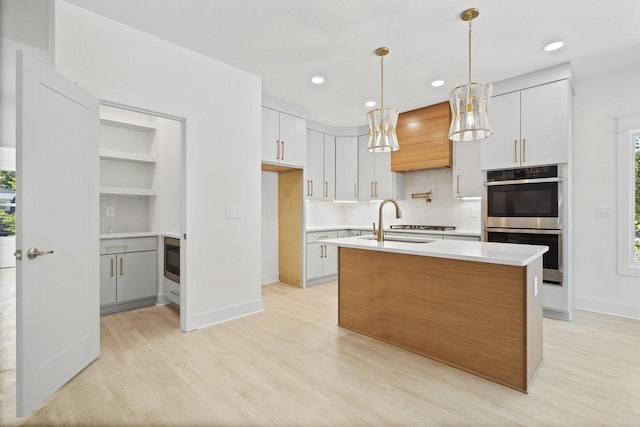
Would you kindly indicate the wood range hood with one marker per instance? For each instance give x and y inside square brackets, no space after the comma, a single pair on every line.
[423,136]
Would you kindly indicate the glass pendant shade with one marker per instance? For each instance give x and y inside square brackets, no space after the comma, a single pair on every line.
[469,107]
[382,130]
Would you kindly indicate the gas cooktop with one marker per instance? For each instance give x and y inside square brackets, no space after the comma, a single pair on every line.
[424,227]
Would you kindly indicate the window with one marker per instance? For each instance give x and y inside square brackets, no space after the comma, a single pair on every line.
[7,203]
[628,195]
[636,185]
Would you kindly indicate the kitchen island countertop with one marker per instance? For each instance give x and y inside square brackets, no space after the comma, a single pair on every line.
[488,252]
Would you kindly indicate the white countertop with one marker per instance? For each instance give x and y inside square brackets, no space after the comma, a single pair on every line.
[474,233]
[129,235]
[490,252]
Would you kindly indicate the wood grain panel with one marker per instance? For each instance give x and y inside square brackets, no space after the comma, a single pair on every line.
[290,205]
[466,314]
[423,136]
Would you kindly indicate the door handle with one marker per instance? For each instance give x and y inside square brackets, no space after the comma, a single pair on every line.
[371,189]
[375,187]
[326,189]
[524,150]
[311,189]
[282,154]
[515,151]
[121,267]
[111,267]
[458,184]
[34,253]
[277,149]
[355,190]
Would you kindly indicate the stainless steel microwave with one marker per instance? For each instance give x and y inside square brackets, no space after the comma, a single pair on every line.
[172,259]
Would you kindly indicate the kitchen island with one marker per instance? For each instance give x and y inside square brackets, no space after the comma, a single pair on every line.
[476,306]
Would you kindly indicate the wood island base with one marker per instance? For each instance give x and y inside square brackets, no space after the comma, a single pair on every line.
[484,318]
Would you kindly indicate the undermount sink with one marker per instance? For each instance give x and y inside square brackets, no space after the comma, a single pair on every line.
[399,239]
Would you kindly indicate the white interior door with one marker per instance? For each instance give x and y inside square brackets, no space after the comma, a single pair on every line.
[57,294]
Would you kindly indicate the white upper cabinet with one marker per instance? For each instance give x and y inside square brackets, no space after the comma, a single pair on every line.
[375,179]
[545,124]
[283,138]
[530,127]
[329,167]
[320,171]
[347,168]
[467,174]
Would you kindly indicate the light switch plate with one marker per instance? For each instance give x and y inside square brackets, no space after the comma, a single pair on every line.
[233,211]
[474,212]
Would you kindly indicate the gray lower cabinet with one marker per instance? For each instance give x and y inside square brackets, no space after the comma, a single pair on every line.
[322,260]
[128,274]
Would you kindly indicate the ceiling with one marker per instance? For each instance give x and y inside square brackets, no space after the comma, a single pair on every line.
[286,42]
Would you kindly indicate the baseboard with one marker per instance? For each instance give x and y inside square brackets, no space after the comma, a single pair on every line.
[608,307]
[557,314]
[225,314]
[129,305]
[324,279]
[270,278]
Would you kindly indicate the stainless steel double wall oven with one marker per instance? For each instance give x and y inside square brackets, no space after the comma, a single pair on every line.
[525,206]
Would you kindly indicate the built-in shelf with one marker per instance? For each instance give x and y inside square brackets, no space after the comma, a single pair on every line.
[128,191]
[127,122]
[126,156]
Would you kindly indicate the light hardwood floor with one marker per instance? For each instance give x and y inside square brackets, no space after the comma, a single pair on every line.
[292,365]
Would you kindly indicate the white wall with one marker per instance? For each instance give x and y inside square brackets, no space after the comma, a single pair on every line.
[221,105]
[598,101]
[168,179]
[443,209]
[269,237]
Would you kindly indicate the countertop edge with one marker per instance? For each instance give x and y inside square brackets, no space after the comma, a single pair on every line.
[473,233]
[487,252]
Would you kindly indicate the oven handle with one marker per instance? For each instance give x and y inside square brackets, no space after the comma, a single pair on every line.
[522,181]
[523,230]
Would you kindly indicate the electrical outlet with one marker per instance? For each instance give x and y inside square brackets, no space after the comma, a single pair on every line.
[603,213]
[110,210]
[233,211]
[474,212]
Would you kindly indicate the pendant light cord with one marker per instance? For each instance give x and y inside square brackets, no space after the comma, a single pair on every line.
[381,82]
[469,52]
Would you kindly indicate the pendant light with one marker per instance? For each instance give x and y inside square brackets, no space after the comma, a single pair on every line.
[382,121]
[469,121]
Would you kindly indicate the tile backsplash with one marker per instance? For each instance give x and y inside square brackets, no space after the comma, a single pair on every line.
[130,213]
[443,209]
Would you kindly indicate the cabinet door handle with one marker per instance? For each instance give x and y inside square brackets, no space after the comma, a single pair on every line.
[307,188]
[325,250]
[524,150]
[372,189]
[458,184]
[321,251]
[311,188]
[282,153]
[277,149]
[121,266]
[355,190]
[375,188]
[111,267]
[515,151]
[326,189]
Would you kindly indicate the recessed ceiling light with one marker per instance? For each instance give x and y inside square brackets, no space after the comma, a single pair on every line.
[437,83]
[370,104]
[553,46]
[317,80]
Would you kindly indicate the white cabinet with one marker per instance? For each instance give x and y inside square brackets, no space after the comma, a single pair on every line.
[322,260]
[375,179]
[530,127]
[459,237]
[467,174]
[128,274]
[321,151]
[349,233]
[347,168]
[283,138]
